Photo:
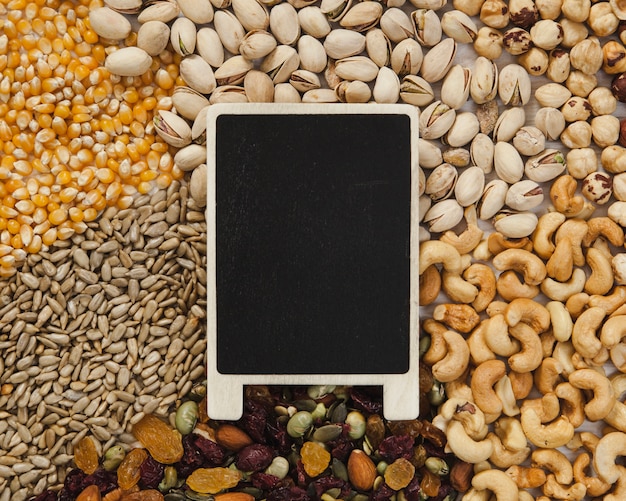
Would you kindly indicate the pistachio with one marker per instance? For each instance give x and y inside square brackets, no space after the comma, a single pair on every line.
[286,93]
[341,43]
[356,68]
[529,140]
[427,27]
[459,157]
[443,216]
[487,114]
[396,25]
[314,22]
[229,94]
[507,162]
[188,102]
[233,71]
[524,195]
[546,34]
[469,186]
[484,82]
[406,57]
[173,129]
[198,74]
[353,91]
[186,417]
[109,24]
[198,128]
[516,41]
[330,74]
[488,43]
[199,11]
[259,87]
[164,11]
[515,225]
[459,26]
[387,86]
[441,182]
[209,46]
[492,199]
[320,96]
[256,44]
[429,154]
[229,29]
[378,47]
[335,9]
[577,135]
[280,63]
[124,6]
[552,94]
[456,86]
[284,23]
[495,13]
[113,457]
[514,85]
[415,90]
[304,80]
[481,152]
[429,4]
[550,121]
[153,37]
[438,60]
[128,62]
[422,188]
[189,157]
[463,130]
[586,56]
[581,162]
[362,16]
[598,187]
[312,54]
[510,121]
[251,14]
[183,36]
[424,204]
[558,65]
[435,120]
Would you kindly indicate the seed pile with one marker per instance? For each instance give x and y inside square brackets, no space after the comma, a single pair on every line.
[106,326]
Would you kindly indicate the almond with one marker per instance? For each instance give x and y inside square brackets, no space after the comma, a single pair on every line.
[234,496]
[232,438]
[361,470]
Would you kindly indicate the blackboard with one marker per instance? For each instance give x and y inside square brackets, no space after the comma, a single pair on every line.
[310,216]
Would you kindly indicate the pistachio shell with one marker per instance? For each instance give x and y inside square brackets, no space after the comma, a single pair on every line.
[342,43]
[356,68]
[441,182]
[229,29]
[257,44]
[469,186]
[163,11]
[443,216]
[353,92]
[456,86]
[128,62]
[188,102]
[198,74]
[430,155]
[427,27]
[516,225]
[463,130]
[198,128]
[109,24]
[484,84]
[314,22]
[509,122]
[189,157]
[362,16]
[438,60]
[335,9]
[304,80]
[251,14]
[508,162]
[124,6]
[233,71]
[209,46]
[173,129]
[387,86]
[378,47]
[481,152]
[396,25]
[284,23]
[198,185]
[514,85]
[286,93]
[199,11]
[524,195]
[312,54]
[153,37]
[407,57]
[435,120]
[459,26]
[259,87]
[228,94]
[415,90]
[320,96]
[492,199]
[183,36]
[280,63]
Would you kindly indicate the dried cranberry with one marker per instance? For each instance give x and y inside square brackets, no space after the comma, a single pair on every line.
[254,457]
[192,457]
[433,450]
[321,485]
[73,484]
[396,446]
[301,477]
[363,400]
[105,480]
[277,436]
[46,496]
[264,481]
[151,473]
[288,494]
[383,494]
[342,450]
[444,490]
[212,452]
[254,420]
[412,491]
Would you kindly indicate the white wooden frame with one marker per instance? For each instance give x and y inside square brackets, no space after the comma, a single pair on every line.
[225,391]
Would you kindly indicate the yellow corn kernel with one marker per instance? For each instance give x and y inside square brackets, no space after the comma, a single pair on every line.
[113,191]
[26,234]
[22,167]
[13,226]
[49,237]
[85,177]
[40,216]
[11,185]
[35,245]
[124,202]
[67,195]
[21,194]
[163,181]
[76,214]
[39,200]
[42,226]
[90,214]
[3,226]
[105,175]
[46,179]
[74,131]
[57,216]
[25,207]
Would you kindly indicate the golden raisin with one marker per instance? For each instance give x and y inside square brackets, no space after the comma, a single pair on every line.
[86,455]
[315,458]
[213,480]
[147,495]
[399,474]
[128,472]
[430,484]
[163,442]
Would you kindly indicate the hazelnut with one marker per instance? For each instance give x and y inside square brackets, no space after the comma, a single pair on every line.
[573,32]
[605,130]
[548,9]
[602,20]
[618,87]
[558,65]
[576,108]
[614,57]
[619,187]
[581,84]
[621,30]
[535,61]
[523,13]
[576,10]
[581,162]
[516,41]
[546,34]
[622,132]
[495,13]
[598,187]
[488,43]
[602,101]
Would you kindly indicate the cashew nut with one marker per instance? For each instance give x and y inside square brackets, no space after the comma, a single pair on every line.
[504,391]
[497,337]
[467,413]
[509,431]
[521,383]
[468,239]
[542,237]
[460,317]
[603,395]
[481,252]
[548,375]
[557,433]
[555,490]
[477,343]
[456,360]
[617,417]
[562,291]
[584,336]
[459,389]
[509,286]
[578,302]
[503,457]
[476,495]
[564,352]
[619,490]
[610,302]
[531,354]
[562,194]
[522,261]
[561,263]
[572,405]
[603,226]
[589,440]
[618,356]
[575,230]
[601,279]
[464,447]
[608,448]
[457,289]
[595,486]
[555,462]
[547,343]
[528,311]
[613,330]
[482,381]
[561,320]
[497,242]
[496,307]
[437,349]
[547,407]
[526,477]
[430,285]
[481,276]
[497,482]
[435,251]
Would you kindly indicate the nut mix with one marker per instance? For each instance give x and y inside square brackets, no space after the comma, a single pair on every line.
[103,180]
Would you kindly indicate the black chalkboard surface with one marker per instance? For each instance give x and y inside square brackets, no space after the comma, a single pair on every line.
[313,242]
